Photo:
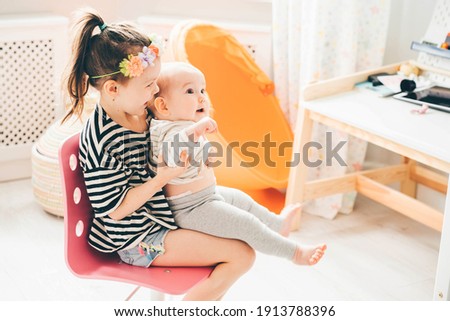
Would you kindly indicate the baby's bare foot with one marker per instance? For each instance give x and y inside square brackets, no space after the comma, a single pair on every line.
[309,255]
[287,214]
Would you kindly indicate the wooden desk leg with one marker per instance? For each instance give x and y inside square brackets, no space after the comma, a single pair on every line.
[442,285]
[299,171]
[409,186]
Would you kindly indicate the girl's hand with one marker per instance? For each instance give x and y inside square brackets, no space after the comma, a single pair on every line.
[166,173]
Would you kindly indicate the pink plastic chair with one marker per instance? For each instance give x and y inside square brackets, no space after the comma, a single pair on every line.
[86,262]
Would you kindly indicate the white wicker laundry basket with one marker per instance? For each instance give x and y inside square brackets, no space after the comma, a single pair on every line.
[45,176]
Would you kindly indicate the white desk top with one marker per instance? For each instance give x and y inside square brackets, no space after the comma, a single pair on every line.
[389,118]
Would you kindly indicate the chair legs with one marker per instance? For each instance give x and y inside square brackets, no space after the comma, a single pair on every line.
[132,293]
[154,295]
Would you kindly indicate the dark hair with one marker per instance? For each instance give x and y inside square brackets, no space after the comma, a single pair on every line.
[99,54]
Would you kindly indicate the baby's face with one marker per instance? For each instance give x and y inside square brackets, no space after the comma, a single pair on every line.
[186,97]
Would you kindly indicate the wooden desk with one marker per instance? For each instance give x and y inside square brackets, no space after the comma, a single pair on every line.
[389,123]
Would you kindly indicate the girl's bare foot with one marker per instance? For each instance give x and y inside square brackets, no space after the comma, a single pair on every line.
[287,214]
[309,255]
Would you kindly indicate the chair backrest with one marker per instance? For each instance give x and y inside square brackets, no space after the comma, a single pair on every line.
[84,261]
[78,211]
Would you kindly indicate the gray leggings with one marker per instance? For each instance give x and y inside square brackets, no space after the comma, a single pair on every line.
[230,213]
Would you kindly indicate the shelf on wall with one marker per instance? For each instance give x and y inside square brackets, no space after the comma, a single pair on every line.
[430,49]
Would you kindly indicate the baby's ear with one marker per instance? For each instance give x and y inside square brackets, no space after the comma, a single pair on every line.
[160,106]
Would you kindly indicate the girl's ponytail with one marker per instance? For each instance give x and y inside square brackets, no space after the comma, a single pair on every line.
[77,83]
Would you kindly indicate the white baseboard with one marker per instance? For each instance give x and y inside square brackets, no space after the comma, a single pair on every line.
[14,170]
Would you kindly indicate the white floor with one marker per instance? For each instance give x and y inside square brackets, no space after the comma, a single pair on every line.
[373,254]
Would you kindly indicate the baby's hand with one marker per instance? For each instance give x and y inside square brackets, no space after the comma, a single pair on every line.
[204,126]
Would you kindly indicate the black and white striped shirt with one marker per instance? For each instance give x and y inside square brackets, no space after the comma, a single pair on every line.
[114,160]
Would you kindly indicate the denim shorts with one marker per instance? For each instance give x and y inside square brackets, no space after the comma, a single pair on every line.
[147,250]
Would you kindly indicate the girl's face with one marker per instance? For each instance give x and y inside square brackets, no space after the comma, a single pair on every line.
[186,97]
[135,94]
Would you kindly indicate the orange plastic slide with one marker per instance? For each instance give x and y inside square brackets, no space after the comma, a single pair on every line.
[254,136]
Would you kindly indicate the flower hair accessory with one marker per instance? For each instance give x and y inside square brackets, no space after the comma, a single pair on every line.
[134,65]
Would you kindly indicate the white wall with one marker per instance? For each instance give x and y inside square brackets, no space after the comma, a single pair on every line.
[237,10]
[408,19]
[408,22]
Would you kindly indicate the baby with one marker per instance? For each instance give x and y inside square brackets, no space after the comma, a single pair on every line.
[181,120]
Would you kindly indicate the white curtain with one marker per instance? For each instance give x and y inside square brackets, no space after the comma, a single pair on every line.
[315,40]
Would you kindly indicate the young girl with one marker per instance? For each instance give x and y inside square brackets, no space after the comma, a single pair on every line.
[181,110]
[132,216]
